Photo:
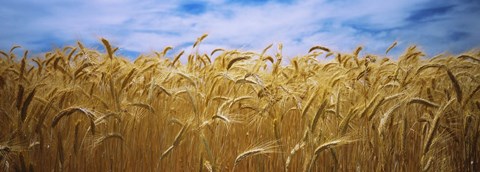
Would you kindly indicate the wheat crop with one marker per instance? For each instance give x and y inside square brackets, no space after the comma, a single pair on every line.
[79,109]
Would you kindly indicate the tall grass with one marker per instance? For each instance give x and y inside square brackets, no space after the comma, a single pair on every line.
[77,109]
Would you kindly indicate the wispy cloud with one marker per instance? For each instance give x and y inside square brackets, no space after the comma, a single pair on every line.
[144,26]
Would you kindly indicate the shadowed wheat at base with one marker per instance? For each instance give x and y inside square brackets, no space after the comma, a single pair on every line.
[78,109]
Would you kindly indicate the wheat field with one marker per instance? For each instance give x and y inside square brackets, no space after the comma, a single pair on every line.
[78,109]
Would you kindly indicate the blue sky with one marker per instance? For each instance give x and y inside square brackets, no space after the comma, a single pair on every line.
[144,26]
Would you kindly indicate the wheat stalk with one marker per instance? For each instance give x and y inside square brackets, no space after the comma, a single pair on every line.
[71,110]
[391,47]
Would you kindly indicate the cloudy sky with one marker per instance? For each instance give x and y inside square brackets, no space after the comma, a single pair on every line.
[144,26]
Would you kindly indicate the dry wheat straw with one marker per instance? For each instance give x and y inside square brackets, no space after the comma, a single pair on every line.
[76,142]
[456,85]
[108,136]
[176,141]
[71,110]
[108,48]
[177,58]
[387,117]
[318,48]
[465,57]
[391,47]
[216,50]
[19,96]
[423,102]
[60,151]
[434,125]
[200,40]
[237,59]
[309,103]
[320,111]
[26,104]
[265,148]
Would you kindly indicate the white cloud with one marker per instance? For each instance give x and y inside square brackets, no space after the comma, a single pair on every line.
[151,25]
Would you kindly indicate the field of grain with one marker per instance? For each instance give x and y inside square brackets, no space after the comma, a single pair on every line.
[78,109]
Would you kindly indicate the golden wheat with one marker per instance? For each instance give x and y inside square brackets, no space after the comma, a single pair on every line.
[78,109]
